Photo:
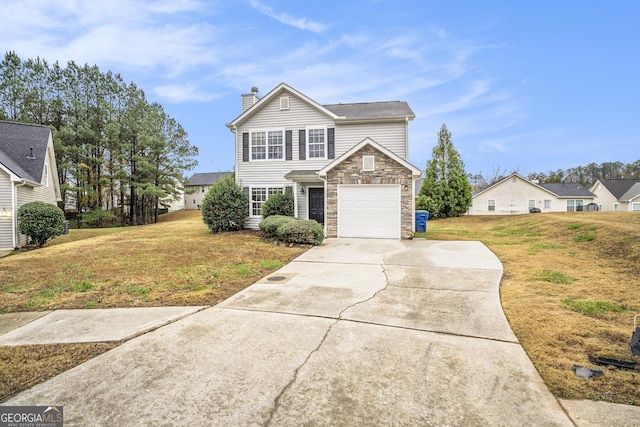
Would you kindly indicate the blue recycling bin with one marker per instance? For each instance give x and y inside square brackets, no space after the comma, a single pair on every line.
[421,221]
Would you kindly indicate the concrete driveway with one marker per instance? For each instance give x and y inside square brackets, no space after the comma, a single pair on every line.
[354,332]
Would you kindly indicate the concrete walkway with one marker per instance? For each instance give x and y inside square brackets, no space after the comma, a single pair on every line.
[354,332]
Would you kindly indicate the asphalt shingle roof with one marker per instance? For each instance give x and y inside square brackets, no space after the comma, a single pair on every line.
[16,140]
[632,193]
[207,178]
[372,110]
[570,189]
[618,187]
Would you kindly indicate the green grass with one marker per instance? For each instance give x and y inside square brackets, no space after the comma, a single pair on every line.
[243,269]
[536,247]
[135,289]
[271,263]
[593,308]
[83,286]
[584,237]
[575,226]
[553,277]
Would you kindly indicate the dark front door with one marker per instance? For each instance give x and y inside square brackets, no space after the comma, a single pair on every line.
[316,204]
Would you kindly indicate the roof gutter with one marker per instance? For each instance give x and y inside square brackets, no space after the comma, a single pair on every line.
[14,208]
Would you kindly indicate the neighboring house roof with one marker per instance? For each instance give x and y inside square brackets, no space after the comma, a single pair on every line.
[368,141]
[207,178]
[618,187]
[565,190]
[632,193]
[368,111]
[560,190]
[16,142]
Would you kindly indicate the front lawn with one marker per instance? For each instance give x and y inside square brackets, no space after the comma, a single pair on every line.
[175,262]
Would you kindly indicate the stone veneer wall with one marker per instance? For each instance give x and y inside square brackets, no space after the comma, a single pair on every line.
[387,171]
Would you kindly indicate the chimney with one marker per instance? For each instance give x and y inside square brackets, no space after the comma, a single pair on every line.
[249,99]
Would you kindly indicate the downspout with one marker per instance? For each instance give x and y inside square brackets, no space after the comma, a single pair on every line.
[14,202]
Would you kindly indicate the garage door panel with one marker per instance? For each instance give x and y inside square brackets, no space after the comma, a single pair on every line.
[369,211]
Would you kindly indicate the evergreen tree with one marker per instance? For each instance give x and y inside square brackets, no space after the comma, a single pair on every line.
[446,191]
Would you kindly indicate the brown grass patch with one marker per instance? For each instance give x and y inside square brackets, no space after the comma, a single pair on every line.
[538,249]
[175,262]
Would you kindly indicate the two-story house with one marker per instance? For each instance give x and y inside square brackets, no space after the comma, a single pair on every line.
[198,186]
[28,173]
[345,164]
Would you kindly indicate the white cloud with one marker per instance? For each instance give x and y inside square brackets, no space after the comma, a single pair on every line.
[187,92]
[286,19]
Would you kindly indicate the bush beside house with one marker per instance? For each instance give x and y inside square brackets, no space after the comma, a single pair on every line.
[40,221]
[225,206]
[290,230]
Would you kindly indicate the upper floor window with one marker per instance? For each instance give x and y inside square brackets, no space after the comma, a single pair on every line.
[317,143]
[267,145]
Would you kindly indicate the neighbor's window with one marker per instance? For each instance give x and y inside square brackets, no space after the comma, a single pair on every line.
[46,175]
[259,195]
[616,207]
[491,205]
[547,204]
[316,143]
[532,204]
[635,207]
[574,205]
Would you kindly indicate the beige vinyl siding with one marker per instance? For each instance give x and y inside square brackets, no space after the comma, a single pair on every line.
[6,223]
[392,136]
[604,197]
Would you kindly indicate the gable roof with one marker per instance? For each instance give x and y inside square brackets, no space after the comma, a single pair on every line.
[206,178]
[368,141]
[560,190]
[570,189]
[366,111]
[617,187]
[632,193]
[16,141]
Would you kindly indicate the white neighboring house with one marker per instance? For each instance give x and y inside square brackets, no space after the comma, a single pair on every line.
[345,164]
[517,195]
[198,187]
[617,194]
[28,173]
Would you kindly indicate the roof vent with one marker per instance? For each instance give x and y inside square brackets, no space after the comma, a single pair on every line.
[31,156]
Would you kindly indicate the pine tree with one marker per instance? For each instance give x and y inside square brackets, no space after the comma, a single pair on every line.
[446,191]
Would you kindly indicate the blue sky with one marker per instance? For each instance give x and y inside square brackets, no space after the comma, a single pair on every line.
[525,86]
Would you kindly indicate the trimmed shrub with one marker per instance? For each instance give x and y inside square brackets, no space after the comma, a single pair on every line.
[40,221]
[301,231]
[225,206]
[97,218]
[278,204]
[270,224]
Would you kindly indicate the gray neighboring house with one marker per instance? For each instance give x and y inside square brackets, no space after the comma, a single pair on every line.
[198,186]
[517,195]
[345,164]
[28,173]
[617,194]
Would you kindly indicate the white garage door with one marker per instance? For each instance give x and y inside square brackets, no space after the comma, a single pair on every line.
[369,211]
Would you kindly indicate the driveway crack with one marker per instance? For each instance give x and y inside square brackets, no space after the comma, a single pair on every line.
[276,404]
[386,285]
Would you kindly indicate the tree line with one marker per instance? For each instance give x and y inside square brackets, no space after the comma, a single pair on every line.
[585,175]
[118,155]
